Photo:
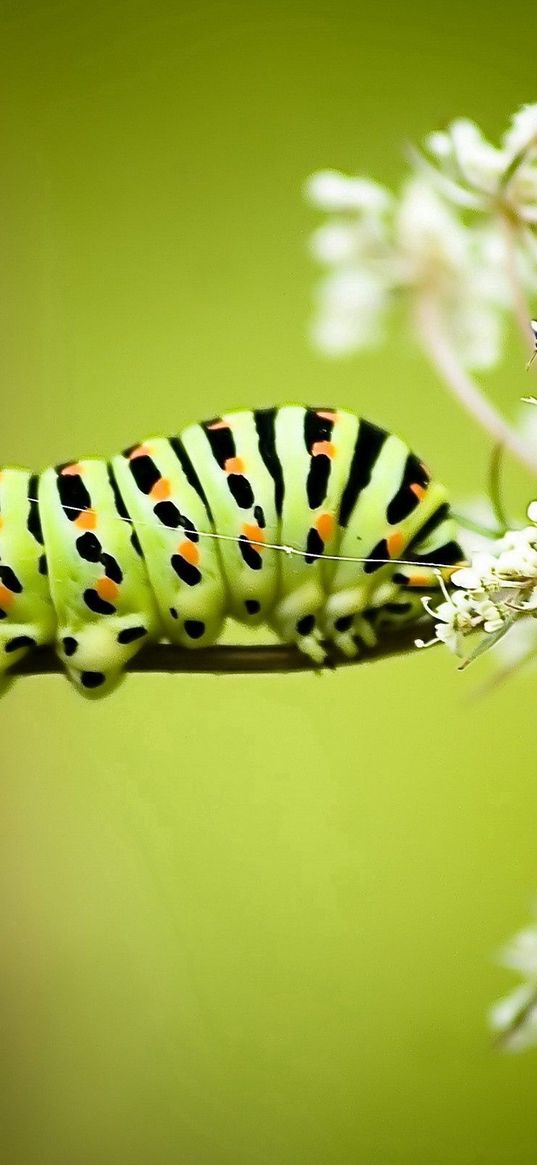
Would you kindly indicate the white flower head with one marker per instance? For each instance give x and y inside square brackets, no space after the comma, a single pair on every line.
[522,133]
[466,160]
[520,954]
[514,1018]
[333,191]
[351,311]
[461,275]
[334,243]
[495,590]
[406,248]
[475,174]
[431,237]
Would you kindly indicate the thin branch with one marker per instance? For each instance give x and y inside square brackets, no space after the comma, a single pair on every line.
[235,660]
[459,382]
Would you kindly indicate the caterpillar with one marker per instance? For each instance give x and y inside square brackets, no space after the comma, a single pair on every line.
[172,536]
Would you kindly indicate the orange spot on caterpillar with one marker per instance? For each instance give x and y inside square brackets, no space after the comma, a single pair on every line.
[234,465]
[218,425]
[140,451]
[161,490]
[325,526]
[326,415]
[326,447]
[254,534]
[87,520]
[418,490]
[395,544]
[189,551]
[75,470]
[107,589]
[419,580]
[7,598]
[1,521]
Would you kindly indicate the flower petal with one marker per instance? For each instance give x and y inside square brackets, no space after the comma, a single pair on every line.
[331,190]
[523,129]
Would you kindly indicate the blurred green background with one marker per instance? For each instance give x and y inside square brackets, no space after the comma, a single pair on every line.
[245,921]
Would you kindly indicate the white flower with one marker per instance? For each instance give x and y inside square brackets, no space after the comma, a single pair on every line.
[431,238]
[379,250]
[520,954]
[475,174]
[522,133]
[519,647]
[461,614]
[466,160]
[334,243]
[496,589]
[463,267]
[514,1017]
[461,276]
[332,191]
[351,311]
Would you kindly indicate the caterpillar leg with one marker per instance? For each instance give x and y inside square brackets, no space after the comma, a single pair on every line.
[343,623]
[295,620]
[404,608]
[350,631]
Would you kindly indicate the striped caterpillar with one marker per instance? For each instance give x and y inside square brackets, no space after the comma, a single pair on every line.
[173,535]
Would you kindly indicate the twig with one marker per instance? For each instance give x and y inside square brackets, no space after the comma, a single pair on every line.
[236,660]
[443,357]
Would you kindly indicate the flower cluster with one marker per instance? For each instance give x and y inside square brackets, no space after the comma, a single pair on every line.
[476,175]
[493,592]
[377,248]
[458,246]
[514,1018]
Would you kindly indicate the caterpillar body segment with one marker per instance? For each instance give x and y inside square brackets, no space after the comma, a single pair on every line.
[167,511]
[27,616]
[294,517]
[99,586]
[240,493]
[314,447]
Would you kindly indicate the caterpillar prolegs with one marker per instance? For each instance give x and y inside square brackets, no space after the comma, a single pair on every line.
[309,520]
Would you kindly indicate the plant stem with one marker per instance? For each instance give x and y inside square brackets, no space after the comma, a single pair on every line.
[236,660]
[459,382]
[495,491]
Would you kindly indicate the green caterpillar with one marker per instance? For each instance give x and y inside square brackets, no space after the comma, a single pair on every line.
[173,535]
